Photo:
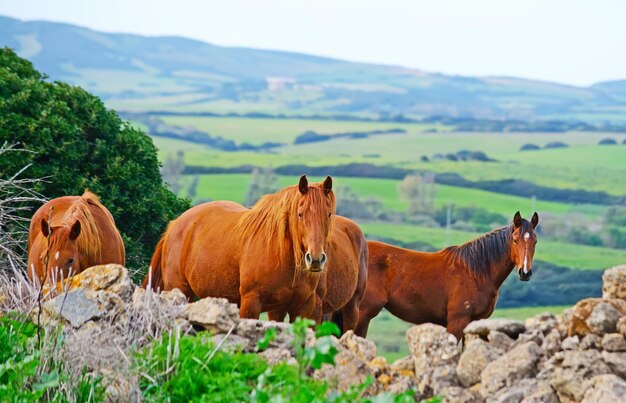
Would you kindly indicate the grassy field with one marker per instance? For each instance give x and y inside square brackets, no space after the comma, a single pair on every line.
[233,187]
[558,253]
[389,332]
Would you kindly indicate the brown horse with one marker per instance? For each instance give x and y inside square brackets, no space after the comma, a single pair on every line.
[342,285]
[269,257]
[81,233]
[451,287]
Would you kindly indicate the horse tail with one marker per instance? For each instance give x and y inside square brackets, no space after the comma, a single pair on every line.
[154,278]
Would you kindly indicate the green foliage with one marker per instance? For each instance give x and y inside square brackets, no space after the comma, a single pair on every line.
[76,143]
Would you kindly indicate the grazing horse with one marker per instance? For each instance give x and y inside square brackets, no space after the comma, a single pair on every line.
[69,234]
[269,257]
[451,287]
[342,286]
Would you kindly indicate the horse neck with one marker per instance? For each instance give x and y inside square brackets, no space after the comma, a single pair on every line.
[499,272]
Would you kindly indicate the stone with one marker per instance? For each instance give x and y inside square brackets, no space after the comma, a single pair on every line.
[457,394]
[551,343]
[621,325]
[511,328]
[544,322]
[216,315]
[614,283]
[403,365]
[590,341]
[275,356]
[510,368]
[109,277]
[435,355]
[254,330]
[603,319]
[74,307]
[542,393]
[570,343]
[119,388]
[616,361]
[379,365]
[613,342]
[232,343]
[402,383]
[499,340]
[569,372]
[605,389]
[564,321]
[349,369]
[526,390]
[366,349]
[475,358]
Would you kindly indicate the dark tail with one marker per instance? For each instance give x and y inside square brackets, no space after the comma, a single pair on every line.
[154,278]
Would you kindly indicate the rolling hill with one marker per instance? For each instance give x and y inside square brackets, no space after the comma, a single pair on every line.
[137,73]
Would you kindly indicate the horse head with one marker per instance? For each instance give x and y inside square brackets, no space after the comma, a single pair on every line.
[523,244]
[61,257]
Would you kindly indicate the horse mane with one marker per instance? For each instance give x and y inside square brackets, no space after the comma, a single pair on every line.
[89,239]
[481,254]
[270,219]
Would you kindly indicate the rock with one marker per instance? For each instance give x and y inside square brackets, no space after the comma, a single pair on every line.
[517,364]
[614,283]
[605,389]
[435,355]
[142,298]
[617,362]
[569,372]
[216,315]
[119,388]
[551,343]
[536,336]
[232,343]
[457,394]
[613,342]
[110,277]
[621,325]
[544,322]
[570,343]
[526,390]
[402,383]
[366,349]
[349,369]
[499,340]
[379,365]
[564,321]
[603,319]
[403,365]
[511,328]
[590,341]
[254,330]
[275,356]
[477,355]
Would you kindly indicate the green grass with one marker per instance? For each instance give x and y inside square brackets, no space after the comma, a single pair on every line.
[233,187]
[389,332]
[558,253]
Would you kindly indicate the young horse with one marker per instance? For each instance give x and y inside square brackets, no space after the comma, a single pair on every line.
[342,285]
[451,287]
[81,233]
[266,258]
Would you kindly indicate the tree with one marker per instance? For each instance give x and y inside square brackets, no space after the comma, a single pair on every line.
[76,143]
[173,169]
[262,181]
[419,191]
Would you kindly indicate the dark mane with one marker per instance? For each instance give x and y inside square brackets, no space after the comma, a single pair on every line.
[481,254]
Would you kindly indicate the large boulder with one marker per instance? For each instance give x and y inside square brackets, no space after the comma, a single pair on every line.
[477,355]
[510,368]
[570,372]
[435,355]
[614,283]
[511,328]
[585,318]
[605,389]
[112,278]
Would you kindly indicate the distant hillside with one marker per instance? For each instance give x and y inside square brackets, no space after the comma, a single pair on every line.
[138,73]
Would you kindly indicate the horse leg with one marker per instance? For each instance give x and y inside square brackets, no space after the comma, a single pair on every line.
[457,321]
[309,309]
[277,316]
[350,316]
[250,306]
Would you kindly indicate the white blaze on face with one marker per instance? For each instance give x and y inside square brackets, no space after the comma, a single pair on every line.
[526,237]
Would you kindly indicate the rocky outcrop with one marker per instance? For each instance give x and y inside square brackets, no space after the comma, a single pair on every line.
[577,356]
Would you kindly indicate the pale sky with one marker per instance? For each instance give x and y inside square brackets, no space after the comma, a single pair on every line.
[569,41]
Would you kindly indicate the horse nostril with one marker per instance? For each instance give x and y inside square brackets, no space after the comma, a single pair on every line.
[323,259]
[308,258]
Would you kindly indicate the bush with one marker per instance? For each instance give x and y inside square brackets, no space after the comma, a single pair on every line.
[529,147]
[556,144]
[76,143]
[607,142]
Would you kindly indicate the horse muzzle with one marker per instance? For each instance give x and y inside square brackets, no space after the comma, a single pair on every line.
[315,265]
[524,274]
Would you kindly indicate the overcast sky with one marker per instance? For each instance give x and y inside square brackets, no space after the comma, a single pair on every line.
[569,41]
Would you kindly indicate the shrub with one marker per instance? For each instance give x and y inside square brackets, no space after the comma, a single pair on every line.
[76,143]
[607,142]
[529,147]
[556,144]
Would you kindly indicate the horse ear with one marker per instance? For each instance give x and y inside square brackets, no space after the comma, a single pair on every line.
[75,230]
[535,220]
[328,185]
[303,186]
[45,228]
[517,219]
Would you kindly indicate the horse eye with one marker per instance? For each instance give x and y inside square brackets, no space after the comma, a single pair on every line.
[299,215]
[71,261]
[330,214]
[515,241]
